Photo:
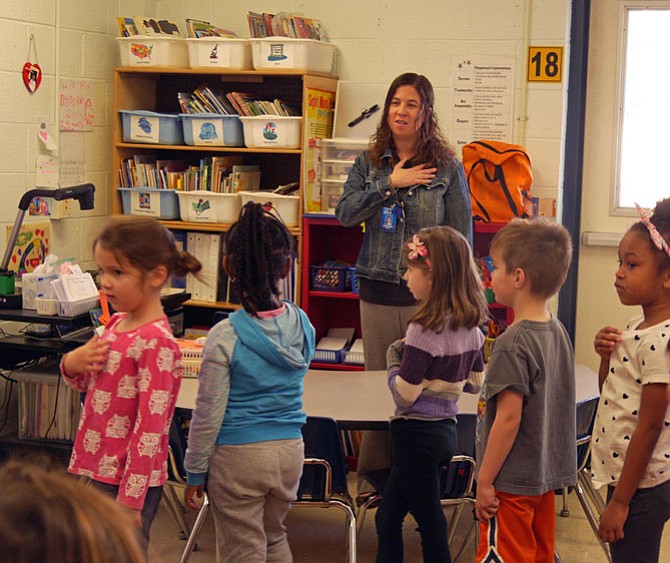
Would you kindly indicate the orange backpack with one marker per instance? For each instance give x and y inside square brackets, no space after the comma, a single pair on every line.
[497,174]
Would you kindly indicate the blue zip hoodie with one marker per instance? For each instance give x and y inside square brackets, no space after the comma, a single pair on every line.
[250,384]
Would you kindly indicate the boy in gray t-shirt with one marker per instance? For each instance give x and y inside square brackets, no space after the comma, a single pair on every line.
[526,419]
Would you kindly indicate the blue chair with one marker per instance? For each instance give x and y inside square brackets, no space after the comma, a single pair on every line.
[324,480]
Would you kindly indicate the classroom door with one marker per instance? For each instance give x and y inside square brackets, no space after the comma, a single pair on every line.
[597,302]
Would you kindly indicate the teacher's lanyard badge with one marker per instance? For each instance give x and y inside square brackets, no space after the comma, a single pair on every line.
[391,215]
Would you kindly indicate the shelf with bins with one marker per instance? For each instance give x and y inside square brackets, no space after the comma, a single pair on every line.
[325,239]
[483,235]
[155,89]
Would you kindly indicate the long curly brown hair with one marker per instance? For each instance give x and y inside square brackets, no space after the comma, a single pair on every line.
[432,148]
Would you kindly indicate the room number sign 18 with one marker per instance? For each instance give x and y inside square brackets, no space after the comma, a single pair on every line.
[545,64]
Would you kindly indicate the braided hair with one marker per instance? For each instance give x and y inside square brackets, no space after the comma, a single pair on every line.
[257,247]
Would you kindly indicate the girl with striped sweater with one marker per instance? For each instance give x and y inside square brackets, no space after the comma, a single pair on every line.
[439,358]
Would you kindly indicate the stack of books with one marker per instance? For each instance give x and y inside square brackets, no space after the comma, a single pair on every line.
[247,105]
[205,100]
[284,24]
[146,171]
[141,25]
[199,28]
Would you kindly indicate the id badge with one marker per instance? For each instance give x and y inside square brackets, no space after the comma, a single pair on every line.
[389,219]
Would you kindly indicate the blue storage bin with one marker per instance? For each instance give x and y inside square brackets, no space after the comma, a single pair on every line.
[140,126]
[161,204]
[353,280]
[213,129]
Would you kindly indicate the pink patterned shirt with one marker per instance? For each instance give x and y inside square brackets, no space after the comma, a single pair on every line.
[123,433]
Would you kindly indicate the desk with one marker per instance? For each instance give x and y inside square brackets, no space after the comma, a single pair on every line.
[19,347]
[362,400]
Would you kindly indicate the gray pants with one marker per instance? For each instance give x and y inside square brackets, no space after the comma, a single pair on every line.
[649,510]
[251,487]
[381,326]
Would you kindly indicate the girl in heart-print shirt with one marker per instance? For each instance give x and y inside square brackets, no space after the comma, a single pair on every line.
[631,434]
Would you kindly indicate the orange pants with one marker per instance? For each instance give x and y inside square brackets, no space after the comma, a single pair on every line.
[522,531]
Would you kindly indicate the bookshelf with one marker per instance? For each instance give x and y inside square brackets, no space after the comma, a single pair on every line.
[325,239]
[156,89]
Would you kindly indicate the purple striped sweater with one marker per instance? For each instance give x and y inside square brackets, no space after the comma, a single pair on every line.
[429,371]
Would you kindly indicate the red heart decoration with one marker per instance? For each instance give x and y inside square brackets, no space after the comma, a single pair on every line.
[32,76]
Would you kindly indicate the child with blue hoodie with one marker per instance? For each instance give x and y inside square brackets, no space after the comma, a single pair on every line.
[245,434]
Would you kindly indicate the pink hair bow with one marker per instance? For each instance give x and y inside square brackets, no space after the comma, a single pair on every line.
[656,238]
[418,249]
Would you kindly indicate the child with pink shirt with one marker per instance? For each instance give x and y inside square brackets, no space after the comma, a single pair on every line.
[131,374]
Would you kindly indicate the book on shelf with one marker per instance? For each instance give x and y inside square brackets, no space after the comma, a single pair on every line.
[152,26]
[127,27]
[145,166]
[196,29]
[258,26]
[246,105]
[245,178]
[222,169]
[190,103]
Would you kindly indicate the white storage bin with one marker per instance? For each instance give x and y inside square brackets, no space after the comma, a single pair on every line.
[212,129]
[140,126]
[272,131]
[342,151]
[46,306]
[153,51]
[76,308]
[335,170]
[286,52]
[154,202]
[209,207]
[287,206]
[331,193]
[219,52]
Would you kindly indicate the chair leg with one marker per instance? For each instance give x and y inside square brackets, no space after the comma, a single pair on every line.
[351,528]
[363,509]
[453,524]
[557,557]
[169,496]
[565,511]
[195,532]
[455,518]
[585,489]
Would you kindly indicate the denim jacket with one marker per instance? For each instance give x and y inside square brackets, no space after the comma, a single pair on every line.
[445,201]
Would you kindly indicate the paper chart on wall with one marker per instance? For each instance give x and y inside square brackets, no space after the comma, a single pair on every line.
[71,164]
[483,99]
[46,171]
[76,106]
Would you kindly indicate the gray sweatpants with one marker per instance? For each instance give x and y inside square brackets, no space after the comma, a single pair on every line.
[251,487]
[381,326]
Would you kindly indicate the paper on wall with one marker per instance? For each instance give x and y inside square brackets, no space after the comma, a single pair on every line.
[71,167]
[46,171]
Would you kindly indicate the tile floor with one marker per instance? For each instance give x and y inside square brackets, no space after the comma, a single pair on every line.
[317,536]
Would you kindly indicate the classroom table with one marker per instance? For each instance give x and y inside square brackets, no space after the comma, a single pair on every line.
[362,400]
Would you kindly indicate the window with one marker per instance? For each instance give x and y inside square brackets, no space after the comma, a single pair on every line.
[642,155]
